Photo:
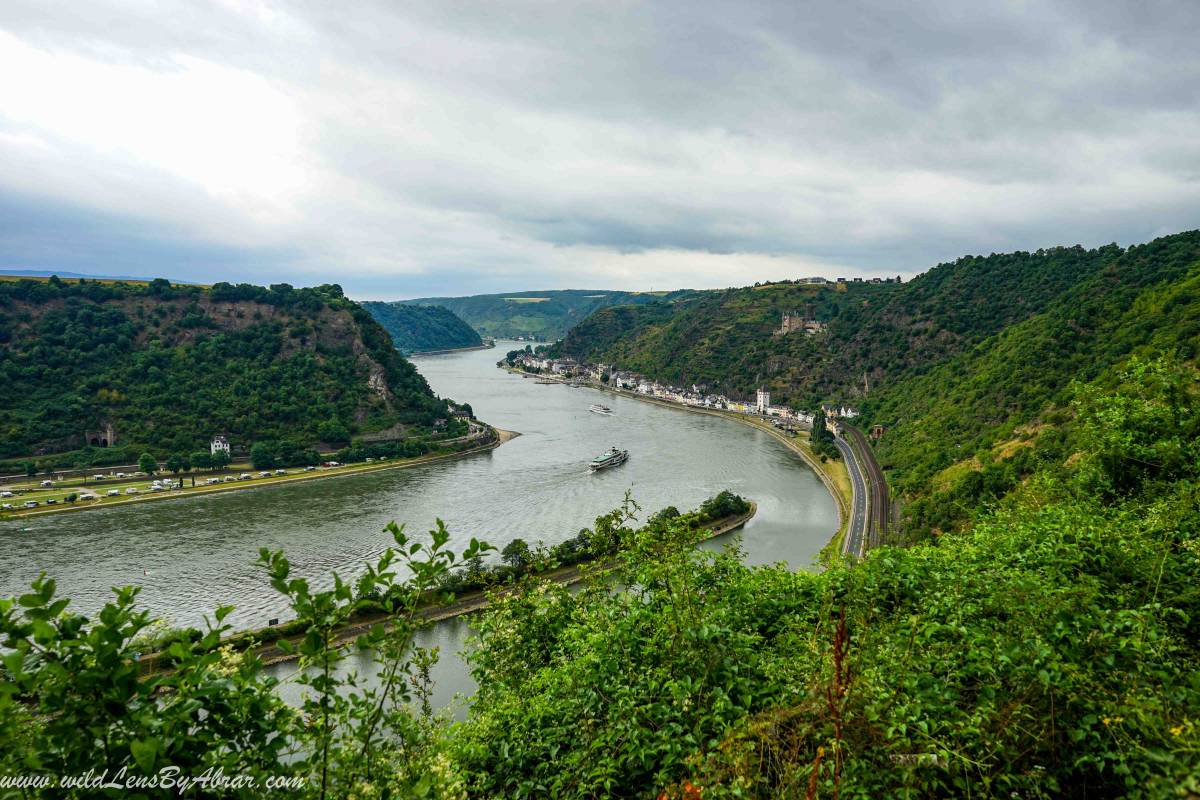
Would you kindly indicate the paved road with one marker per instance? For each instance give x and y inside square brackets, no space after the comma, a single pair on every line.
[856,531]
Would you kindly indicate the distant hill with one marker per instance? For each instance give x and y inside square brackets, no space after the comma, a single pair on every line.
[544,316]
[169,366]
[46,273]
[416,329]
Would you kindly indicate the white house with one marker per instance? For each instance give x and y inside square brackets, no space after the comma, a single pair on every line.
[219,442]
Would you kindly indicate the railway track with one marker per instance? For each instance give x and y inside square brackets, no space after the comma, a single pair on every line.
[879,509]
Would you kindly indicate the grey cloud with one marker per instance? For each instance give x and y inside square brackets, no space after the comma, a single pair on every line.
[450,137]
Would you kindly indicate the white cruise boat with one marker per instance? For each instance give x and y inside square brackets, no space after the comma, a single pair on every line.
[612,458]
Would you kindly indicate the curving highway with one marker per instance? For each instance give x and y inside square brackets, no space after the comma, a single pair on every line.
[857,529]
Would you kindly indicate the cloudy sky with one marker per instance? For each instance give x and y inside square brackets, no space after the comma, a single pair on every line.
[409,148]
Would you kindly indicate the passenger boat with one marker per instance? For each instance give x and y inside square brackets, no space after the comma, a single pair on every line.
[613,458]
[599,409]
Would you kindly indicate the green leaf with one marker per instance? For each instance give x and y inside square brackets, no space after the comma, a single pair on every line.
[144,752]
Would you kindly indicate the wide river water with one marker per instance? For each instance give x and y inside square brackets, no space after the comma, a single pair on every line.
[193,554]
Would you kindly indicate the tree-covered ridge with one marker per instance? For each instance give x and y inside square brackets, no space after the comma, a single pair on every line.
[170,366]
[544,315]
[416,329]
[964,429]
[953,363]
[880,331]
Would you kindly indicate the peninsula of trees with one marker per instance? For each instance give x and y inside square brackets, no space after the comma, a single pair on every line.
[418,328]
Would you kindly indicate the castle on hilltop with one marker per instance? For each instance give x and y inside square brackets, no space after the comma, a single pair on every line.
[796,322]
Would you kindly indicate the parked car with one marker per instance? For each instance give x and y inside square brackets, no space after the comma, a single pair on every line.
[131,490]
[97,477]
[31,503]
[51,502]
[47,484]
[120,474]
[264,474]
[113,493]
[229,478]
[309,469]
[6,507]
[6,494]
[211,481]
[245,476]
[281,472]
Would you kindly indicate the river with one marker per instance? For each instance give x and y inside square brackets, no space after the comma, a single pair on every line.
[195,553]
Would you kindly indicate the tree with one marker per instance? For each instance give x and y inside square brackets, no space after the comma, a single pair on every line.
[262,456]
[30,469]
[147,464]
[516,554]
[220,459]
[201,460]
[175,463]
[333,432]
[819,433]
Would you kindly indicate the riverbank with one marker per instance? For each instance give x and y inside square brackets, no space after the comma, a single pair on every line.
[501,436]
[467,603]
[833,474]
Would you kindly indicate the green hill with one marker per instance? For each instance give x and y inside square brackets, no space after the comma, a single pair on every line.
[542,316]
[953,363]
[416,329]
[167,367]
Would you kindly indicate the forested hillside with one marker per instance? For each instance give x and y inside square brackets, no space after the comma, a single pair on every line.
[416,329]
[169,366]
[544,316]
[963,364]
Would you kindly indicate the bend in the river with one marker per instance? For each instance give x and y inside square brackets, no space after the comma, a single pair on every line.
[193,554]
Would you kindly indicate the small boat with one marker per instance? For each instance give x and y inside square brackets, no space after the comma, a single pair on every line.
[613,458]
[599,409]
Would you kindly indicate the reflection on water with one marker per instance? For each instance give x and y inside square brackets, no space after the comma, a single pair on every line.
[452,682]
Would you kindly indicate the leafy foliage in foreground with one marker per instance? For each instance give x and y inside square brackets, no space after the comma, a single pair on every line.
[169,366]
[1053,651]
[416,328]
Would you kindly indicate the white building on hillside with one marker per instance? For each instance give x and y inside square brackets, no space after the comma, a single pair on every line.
[763,401]
[219,442]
